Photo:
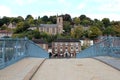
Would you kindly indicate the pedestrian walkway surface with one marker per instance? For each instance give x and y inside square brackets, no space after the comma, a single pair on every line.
[76,69]
[59,69]
[112,61]
[20,70]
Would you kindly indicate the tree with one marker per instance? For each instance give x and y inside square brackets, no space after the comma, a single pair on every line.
[20,18]
[116,30]
[77,32]
[106,22]
[4,27]
[30,20]
[109,31]
[6,20]
[45,19]
[21,27]
[82,17]
[67,17]
[94,32]
[85,21]
[67,26]
[98,24]
[53,19]
[36,34]
[28,17]
[76,20]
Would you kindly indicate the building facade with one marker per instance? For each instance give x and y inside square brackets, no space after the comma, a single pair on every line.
[86,42]
[52,28]
[65,47]
[5,33]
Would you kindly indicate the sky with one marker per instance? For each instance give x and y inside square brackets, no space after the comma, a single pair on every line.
[98,9]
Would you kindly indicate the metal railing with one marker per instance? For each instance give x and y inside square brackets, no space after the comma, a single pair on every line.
[12,50]
[109,46]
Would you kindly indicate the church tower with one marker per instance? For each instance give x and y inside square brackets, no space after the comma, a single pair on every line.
[59,20]
[60,25]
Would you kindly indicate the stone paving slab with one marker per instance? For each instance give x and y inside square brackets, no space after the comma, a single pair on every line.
[114,62]
[20,70]
[76,69]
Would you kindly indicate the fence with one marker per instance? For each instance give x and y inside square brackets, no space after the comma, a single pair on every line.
[109,46]
[12,50]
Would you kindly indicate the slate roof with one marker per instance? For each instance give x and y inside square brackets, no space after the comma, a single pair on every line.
[48,25]
[39,41]
[67,40]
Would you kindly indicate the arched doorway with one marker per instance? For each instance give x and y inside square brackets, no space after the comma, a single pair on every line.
[66,54]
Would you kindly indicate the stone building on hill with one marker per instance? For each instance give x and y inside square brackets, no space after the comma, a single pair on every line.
[51,28]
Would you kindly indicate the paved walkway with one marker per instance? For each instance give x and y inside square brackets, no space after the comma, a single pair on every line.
[21,70]
[76,69]
[114,62]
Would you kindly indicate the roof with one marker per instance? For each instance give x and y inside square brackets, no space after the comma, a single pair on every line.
[39,41]
[48,25]
[67,40]
[5,31]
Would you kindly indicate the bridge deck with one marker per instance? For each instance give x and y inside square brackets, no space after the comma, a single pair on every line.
[20,70]
[76,69]
[60,69]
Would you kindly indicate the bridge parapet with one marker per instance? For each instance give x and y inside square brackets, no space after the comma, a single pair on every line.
[12,50]
[109,46]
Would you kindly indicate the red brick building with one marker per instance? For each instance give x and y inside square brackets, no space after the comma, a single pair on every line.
[66,47]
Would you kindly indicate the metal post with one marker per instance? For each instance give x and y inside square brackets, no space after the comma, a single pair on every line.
[16,51]
[3,54]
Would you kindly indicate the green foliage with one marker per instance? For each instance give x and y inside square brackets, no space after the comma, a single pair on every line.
[106,22]
[94,32]
[109,31]
[116,30]
[21,27]
[67,26]
[97,27]
[77,32]
[45,19]
[76,20]
[84,47]
[4,27]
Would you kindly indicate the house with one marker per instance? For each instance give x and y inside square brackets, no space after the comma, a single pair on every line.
[86,42]
[5,33]
[41,43]
[65,48]
[12,25]
[51,28]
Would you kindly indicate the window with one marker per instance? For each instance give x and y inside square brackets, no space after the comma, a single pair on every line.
[76,47]
[55,44]
[61,49]
[66,43]
[47,29]
[76,44]
[55,48]
[71,43]
[61,44]
[71,48]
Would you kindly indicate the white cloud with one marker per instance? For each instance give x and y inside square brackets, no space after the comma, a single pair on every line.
[64,3]
[109,6]
[24,2]
[81,6]
[5,11]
